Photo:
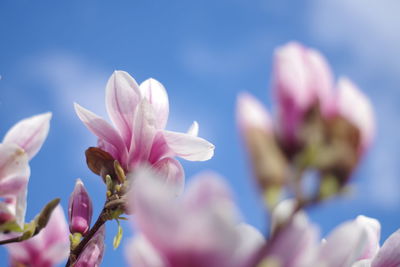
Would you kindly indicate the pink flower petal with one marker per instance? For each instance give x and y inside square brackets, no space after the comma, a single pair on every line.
[48,248]
[144,131]
[251,240]
[189,147]
[93,252]
[250,113]
[356,107]
[389,254]
[122,97]
[156,94]
[344,245]
[373,229]
[171,170]
[30,133]
[102,129]
[141,253]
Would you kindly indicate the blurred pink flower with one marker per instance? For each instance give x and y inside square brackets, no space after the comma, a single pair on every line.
[200,229]
[80,209]
[92,254]
[48,248]
[298,245]
[301,78]
[20,144]
[139,115]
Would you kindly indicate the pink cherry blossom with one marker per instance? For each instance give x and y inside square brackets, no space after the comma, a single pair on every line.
[139,115]
[48,248]
[199,229]
[20,144]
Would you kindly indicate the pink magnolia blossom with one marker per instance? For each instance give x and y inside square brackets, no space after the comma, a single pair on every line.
[93,252]
[20,144]
[302,78]
[48,248]
[139,115]
[80,209]
[199,229]
[298,245]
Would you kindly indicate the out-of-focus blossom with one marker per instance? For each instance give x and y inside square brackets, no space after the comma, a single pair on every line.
[48,248]
[20,144]
[296,243]
[80,209]
[354,106]
[92,254]
[139,115]
[200,229]
[387,256]
[301,79]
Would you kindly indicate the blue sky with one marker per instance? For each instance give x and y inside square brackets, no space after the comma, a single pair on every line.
[205,53]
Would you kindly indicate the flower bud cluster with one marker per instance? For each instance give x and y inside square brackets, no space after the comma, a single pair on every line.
[319,125]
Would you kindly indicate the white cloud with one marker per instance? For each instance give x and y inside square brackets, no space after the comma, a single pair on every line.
[369,28]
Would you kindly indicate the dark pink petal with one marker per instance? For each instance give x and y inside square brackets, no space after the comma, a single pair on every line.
[156,94]
[30,133]
[188,146]
[80,209]
[389,254]
[122,98]
[171,170]
[102,129]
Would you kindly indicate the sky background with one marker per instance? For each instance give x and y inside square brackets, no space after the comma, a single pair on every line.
[54,53]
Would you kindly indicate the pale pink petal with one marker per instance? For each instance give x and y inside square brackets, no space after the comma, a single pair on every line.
[14,169]
[301,76]
[389,254]
[30,133]
[281,213]
[189,147]
[144,131]
[344,245]
[156,94]
[356,107]
[171,170]
[373,229]
[12,186]
[250,113]
[140,253]
[122,97]
[102,129]
[194,129]
[250,242]
[362,263]
[296,244]
[159,148]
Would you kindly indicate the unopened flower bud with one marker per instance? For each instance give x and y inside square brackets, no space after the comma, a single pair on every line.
[80,209]
[302,79]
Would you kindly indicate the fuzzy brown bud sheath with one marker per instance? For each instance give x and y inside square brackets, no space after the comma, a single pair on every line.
[80,209]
